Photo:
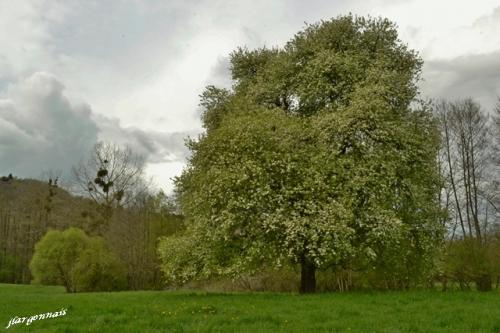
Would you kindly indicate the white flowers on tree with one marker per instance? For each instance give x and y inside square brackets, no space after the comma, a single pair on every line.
[313,159]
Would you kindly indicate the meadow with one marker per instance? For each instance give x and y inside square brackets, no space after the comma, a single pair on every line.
[186,311]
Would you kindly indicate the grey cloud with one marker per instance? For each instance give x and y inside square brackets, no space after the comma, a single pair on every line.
[40,129]
[165,147]
[155,146]
[107,51]
[476,76]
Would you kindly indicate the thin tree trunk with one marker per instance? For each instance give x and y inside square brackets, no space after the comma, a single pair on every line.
[452,178]
[466,184]
[475,194]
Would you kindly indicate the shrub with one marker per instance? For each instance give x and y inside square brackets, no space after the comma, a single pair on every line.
[469,261]
[9,265]
[98,269]
[55,256]
[76,261]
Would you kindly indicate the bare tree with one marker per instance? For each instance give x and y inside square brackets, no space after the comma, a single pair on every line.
[471,169]
[467,156]
[112,177]
[493,192]
[448,165]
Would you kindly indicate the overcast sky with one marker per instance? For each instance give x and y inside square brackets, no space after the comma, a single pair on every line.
[74,72]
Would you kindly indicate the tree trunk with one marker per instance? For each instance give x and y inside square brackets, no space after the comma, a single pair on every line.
[307,277]
[450,169]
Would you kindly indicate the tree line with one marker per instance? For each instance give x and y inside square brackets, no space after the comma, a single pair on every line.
[109,207]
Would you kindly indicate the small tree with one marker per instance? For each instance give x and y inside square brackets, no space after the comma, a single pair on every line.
[55,256]
[77,261]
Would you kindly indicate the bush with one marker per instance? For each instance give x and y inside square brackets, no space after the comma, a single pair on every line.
[55,256]
[468,261]
[76,261]
[98,269]
[9,265]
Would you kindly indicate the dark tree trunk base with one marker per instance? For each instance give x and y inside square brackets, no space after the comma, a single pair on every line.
[307,277]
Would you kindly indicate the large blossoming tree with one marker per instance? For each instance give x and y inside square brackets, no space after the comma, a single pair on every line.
[314,157]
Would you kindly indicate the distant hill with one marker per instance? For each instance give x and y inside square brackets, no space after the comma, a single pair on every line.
[28,208]
[31,200]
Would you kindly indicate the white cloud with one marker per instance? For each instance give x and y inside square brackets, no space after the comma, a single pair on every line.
[444,28]
[163,173]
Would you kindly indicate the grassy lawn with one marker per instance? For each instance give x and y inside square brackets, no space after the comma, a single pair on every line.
[416,311]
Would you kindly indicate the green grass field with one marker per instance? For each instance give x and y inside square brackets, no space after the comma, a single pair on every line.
[163,311]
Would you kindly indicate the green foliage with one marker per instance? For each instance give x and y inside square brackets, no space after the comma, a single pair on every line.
[9,265]
[98,269]
[76,261]
[323,65]
[183,259]
[55,256]
[267,169]
[315,158]
[213,101]
[467,262]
